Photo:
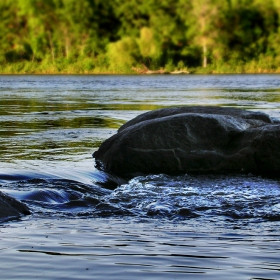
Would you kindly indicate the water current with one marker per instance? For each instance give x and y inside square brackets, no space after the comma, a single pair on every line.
[86,224]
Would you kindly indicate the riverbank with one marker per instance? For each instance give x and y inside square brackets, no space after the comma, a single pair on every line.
[87,67]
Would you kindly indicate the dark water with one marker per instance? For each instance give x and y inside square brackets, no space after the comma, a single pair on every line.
[86,224]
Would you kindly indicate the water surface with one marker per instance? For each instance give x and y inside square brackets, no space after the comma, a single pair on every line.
[86,224]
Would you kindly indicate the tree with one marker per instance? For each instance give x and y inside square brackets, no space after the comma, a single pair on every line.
[205,24]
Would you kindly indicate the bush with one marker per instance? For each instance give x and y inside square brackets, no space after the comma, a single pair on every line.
[122,55]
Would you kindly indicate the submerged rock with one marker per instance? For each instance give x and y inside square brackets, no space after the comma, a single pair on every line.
[11,208]
[193,140]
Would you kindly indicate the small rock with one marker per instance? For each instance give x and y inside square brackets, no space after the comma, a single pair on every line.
[11,208]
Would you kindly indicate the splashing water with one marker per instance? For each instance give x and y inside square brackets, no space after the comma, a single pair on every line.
[201,197]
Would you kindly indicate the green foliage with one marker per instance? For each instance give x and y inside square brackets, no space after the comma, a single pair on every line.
[122,55]
[119,36]
[147,43]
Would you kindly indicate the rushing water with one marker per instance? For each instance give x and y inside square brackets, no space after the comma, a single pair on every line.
[86,224]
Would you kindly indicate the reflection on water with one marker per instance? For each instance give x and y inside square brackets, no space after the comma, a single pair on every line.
[87,224]
[33,105]
[48,117]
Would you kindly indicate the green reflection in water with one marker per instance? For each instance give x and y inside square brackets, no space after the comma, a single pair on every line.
[38,125]
[64,122]
[51,149]
[37,128]
[15,105]
[275,90]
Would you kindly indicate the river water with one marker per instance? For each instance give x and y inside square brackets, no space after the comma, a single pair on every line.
[86,224]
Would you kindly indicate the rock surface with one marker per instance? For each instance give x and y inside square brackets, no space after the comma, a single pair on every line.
[193,140]
[11,208]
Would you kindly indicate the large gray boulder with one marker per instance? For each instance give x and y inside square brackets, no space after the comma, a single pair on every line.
[193,140]
[10,208]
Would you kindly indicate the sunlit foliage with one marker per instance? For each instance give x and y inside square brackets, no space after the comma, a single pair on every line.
[124,36]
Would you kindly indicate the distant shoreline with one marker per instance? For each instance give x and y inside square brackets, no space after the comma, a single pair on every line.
[37,69]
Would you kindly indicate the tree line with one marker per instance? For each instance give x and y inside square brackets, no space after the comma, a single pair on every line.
[138,36]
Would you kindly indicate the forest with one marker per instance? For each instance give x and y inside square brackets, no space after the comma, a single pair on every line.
[139,36]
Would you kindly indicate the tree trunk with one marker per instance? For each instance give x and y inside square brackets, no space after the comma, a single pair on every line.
[66,43]
[51,45]
[204,54]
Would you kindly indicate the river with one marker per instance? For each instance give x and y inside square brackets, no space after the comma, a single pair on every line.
[86,224]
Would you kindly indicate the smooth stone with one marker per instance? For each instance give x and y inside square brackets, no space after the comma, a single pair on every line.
[10,208]
[193,140]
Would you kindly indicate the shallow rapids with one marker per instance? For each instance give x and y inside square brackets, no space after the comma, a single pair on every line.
[227,198]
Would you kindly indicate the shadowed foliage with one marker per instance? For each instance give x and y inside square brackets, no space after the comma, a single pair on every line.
[137,36]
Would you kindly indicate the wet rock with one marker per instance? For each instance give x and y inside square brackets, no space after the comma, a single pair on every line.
[11,208]
[193,140]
